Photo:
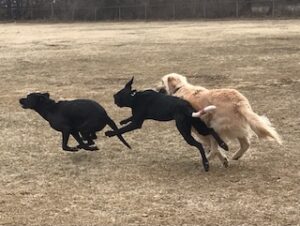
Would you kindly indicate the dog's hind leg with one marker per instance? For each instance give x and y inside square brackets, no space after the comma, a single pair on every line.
[214,151]
[204,140]
[245,144]
[184,127]
[220,142]
[204,130]
[81,143]
[89,137]
[65,139]
[93,136]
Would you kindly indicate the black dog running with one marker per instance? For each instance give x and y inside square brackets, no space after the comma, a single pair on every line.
[75,117]
[149,104]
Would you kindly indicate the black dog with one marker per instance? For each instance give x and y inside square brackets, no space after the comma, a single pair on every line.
[75,117]
[149,104]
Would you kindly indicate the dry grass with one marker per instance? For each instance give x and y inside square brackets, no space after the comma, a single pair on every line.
[160,181]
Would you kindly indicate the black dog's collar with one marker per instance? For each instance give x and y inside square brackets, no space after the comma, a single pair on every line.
[133,93]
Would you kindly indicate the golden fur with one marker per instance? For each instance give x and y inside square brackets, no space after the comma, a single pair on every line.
[232,119]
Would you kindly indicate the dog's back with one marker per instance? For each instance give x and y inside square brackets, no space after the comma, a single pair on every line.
[80,109]
[160,106]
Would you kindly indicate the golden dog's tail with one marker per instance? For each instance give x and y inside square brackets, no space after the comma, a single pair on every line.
[261,125]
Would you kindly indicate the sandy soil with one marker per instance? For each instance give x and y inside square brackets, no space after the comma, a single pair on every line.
[161,180]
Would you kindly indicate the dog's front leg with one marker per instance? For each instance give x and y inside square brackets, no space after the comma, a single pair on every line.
[125,121]
[132,126]
[65,139]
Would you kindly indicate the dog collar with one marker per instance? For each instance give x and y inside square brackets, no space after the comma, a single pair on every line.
[177,89]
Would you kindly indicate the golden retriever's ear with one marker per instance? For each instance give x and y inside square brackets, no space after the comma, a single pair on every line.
[170,79]
[171,82]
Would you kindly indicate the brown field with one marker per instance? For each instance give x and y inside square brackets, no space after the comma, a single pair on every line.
[160,181]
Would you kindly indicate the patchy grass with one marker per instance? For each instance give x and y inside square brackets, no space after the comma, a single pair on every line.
[161,180]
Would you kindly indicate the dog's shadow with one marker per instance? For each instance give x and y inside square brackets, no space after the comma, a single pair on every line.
[81,157]
[190,169]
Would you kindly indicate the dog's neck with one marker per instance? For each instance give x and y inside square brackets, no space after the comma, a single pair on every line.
[46,109]
[131,99]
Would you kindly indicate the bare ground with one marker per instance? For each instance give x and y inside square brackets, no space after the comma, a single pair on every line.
[160,181]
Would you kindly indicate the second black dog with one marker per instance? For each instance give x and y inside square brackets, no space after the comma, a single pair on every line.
[149,104]
[75,117]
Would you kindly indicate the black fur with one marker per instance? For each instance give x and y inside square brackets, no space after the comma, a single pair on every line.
[149,104]
[80,118]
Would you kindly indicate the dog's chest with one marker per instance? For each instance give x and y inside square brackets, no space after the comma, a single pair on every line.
[58,122]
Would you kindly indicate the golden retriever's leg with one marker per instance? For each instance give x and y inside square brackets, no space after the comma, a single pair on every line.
[210,143]
[202,139]
[212,154]
[216,152]
[245,144]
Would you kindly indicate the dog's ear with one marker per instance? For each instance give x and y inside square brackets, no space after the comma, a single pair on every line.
[47,95]
[129,84]
[43,97]
[172,83]
[170,79]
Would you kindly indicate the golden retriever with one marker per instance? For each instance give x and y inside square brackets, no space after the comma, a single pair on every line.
[232,119]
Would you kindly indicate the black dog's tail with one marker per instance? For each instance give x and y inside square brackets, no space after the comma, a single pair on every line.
[113,125]
[205,110]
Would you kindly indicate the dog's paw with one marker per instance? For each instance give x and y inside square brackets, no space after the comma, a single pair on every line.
[87,147]
[206,166]
[71,149]
[91,148]
[89,143]
[123,122]
[109,133]
[225,163]
[224,146]
[94,148]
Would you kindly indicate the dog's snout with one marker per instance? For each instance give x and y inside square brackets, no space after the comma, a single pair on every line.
[22,100]
[116,99]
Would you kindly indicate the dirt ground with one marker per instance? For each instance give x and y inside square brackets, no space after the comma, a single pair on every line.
[161,180]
